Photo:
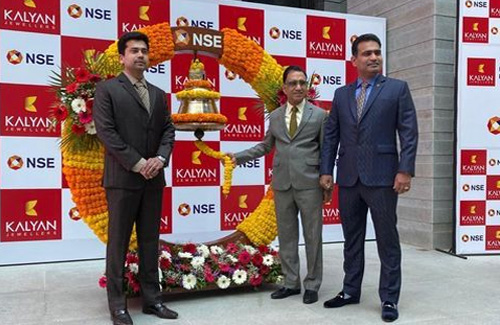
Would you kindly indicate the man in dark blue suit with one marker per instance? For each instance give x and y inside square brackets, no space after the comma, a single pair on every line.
[365,119]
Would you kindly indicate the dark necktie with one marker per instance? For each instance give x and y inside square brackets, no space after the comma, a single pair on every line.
[293,121]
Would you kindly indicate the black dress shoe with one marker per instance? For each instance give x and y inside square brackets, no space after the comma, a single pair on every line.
[160,310]
[340,301]
[121,317]
[284,293]
[389,312]
[310,297]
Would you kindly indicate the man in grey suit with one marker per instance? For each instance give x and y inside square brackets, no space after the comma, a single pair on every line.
[295,130]
[135,128]
[365,118]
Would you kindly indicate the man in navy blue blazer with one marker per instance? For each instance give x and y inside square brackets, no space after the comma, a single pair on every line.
[366,117]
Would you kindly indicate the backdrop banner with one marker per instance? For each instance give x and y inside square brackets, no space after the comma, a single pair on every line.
[477,149]
[39,222]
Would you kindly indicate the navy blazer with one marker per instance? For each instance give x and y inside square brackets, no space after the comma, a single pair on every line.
[368,150]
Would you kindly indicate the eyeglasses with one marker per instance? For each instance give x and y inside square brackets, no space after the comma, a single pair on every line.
[295,83]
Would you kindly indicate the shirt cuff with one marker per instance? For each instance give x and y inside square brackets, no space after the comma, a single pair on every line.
[137,167]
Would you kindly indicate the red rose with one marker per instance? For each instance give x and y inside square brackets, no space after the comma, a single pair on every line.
[95,78]
[256,280]
[189,248]
[263,249]
[164,263]
[257,259]
[103,281]
[264,269]
[131,258]
[89,104]
[72,87]
[244,257]
[82,75]
[78,129]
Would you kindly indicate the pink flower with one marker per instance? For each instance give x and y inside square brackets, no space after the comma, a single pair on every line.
[231,248]
[103,281]
[264,270]
[256,280]
[263,249]
[209,276]
[224,267]
[72,87]
[85,116]
[60,113]
[89,104]
[244,257]
[132,258]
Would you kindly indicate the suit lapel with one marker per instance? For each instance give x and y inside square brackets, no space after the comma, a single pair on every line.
[130,88]
[152,98]
[282,123]
[377,87]
[306,115]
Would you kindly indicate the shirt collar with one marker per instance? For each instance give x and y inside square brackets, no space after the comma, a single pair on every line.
[370,82]
[134,80]
[300,106]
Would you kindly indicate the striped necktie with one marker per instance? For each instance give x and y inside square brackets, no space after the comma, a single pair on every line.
[361,99]
[143,93]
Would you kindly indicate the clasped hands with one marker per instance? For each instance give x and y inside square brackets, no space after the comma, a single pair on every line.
[151,168]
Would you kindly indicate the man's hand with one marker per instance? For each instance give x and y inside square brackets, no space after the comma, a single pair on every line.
[326,182]
[151,168]
[233,158]
[402,183]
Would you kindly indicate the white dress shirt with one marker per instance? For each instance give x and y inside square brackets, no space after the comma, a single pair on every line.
[288,113]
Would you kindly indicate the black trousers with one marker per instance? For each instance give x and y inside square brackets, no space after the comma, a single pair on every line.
[126,207]
[354,203]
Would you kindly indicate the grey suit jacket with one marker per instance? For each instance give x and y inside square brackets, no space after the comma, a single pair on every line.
[296,160]
[129,132]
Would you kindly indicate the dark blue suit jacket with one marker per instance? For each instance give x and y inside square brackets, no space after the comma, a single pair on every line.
[368,150]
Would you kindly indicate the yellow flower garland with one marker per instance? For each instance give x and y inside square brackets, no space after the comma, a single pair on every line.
[197,94]
[83,170]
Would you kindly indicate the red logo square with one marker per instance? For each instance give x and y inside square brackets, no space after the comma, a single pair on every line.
[26,111]
[493,187]
[495,8]
[247,21]
[31,16]
[326,37]
[133,15]
[245,119]
[492,238]
[475,30]
[472,213]
[473,162]
[268,161]
[331,212]
[190,167]
[73,49]
[166,215]
[241,201]
[481,72]
[31,215]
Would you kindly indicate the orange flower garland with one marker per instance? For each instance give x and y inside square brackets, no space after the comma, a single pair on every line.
[199,118]
[228,164]
[197,84]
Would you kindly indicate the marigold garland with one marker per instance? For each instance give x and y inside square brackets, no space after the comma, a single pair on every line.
[199,118]
[197,94]
[228,164]
[261,226]
[198,84]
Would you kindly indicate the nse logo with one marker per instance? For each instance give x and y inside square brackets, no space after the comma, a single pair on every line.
[15,57]
[15,162]
[75,11]
[183,21]
[288,34]
[185,209]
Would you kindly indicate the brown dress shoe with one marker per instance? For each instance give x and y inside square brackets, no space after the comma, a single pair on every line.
[160,310]
[121,317]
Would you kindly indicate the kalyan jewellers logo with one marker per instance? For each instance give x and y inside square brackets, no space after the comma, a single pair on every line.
[240,23]
[143,13]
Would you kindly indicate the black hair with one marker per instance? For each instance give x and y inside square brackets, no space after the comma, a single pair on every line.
[291,69]
[364,38]
[135,36]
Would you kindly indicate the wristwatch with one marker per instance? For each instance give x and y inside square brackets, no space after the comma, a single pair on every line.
[162,159]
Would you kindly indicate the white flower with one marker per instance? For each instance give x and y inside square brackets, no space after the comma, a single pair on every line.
[239,276]
[268,260]
[250,249]
[232,259]
[223,282]
[134,268]
[188,281]
[203,250]
[185,255]
[216,250]
[90,128]
[166,255]
[198,262]
[78,105]
[279,279]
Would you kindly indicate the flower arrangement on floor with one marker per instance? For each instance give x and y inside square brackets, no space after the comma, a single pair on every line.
[193,267]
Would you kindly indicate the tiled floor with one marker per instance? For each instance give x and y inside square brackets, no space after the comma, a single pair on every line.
[437,289]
